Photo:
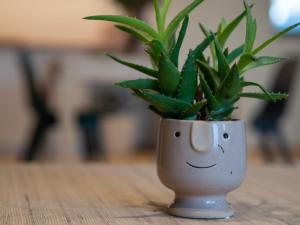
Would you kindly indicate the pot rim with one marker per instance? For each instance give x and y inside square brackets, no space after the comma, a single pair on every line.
[206,121]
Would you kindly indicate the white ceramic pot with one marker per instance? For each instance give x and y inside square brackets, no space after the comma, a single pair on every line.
[201,161]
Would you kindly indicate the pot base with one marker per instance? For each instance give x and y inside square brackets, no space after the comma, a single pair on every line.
[201,208]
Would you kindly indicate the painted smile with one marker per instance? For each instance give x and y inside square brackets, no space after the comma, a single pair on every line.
[200,167]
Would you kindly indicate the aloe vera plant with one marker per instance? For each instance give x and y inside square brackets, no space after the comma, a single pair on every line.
[209,84]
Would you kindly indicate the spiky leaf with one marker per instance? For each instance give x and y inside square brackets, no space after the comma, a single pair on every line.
[138,34]
[165,9]
[139,68]
[262,61]
[159,21]
[211,45]
[202,46]
[235,54]
[249,84]
[169,106]
[211,99]
[274,38]
[176,50]
[169,76]
[230,86]
[263,96]
[221,27]
[140,84]
[128,21]
[179,17]
[223,66]
[171,44]
[188,85]
[155,49]
[211,76]
[221,114]
[193,110]
[223,37]
[245,60]
[250,30]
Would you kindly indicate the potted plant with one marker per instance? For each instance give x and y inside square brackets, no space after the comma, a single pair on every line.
[201,148]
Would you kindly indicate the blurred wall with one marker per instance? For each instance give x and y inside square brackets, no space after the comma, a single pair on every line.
[55,23]
[79,69]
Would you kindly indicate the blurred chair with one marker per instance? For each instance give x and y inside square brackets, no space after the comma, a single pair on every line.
[105,99]
[45,117]
[267,120]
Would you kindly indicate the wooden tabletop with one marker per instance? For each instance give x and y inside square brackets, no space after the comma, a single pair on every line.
[128,195]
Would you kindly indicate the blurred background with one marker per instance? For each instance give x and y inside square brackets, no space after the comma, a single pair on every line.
[58,102]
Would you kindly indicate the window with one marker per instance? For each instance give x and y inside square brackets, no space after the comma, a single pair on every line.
[284,13]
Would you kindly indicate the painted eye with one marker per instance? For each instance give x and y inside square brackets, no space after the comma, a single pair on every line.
[177,134]
[226,136]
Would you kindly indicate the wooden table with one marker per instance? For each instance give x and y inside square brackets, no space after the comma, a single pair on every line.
[129,195]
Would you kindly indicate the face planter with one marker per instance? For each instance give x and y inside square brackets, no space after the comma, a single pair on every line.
[201,162]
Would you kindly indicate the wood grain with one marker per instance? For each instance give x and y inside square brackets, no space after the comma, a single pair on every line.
[128,195]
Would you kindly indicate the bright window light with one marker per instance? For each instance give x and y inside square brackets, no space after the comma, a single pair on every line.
[284,13]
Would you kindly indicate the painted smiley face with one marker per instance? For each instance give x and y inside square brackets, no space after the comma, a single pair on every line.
[206,167]
[203,140]
[201,156]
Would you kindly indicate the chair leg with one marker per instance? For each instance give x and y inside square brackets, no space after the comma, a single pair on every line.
[89,125]
[265,148]
[283,147]
[36,141]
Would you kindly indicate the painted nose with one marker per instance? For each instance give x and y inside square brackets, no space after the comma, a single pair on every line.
[201,136]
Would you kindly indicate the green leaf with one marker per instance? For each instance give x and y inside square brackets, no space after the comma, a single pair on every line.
[139,68]
[245,60]
[221,26]
[222,113]
[230,86]
[223,37]
[210,75]
[225,109]
[138,34]
[176,50]
[156,111]
[248,62]
[155,49]
[250,31]
[159,20]
[139,84]
[211,45]
[274,38]
[158,47]
[193,110]
[204,30]
[235,54]
[262,61]
[202,46]
[226,52]
[188,86]
[169,76]
[223,66]
[263,96]
[179,17]
[171,44]
[164,11]
[167,105]
[248,84]
[129,21]
[211,100]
